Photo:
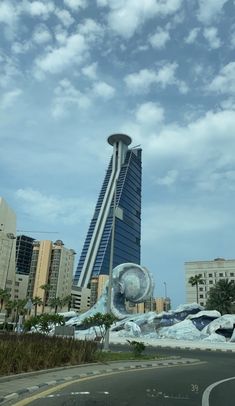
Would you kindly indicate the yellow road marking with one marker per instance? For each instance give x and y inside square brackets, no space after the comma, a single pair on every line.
[56,388]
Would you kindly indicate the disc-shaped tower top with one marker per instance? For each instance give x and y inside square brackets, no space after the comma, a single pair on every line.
[119,137]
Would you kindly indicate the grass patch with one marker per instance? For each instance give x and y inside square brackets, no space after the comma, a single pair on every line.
[102,356]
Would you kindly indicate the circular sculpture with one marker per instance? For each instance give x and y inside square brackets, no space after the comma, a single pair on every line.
[130,282]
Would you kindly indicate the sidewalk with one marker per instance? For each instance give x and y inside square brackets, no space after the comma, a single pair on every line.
[12,387]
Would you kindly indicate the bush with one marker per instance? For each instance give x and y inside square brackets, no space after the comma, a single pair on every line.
[137,347]
[31,352]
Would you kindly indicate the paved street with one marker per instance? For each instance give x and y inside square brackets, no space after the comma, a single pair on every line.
[170,386]
[164,385]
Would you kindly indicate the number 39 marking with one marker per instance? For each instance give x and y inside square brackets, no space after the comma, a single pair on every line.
[194,387]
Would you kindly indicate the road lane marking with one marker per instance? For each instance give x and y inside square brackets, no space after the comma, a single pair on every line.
[207,391]
[56,388]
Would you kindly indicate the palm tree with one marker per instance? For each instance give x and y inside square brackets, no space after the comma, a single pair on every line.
[20,307]
[47,287]
[37,301]
[4,297]
[55,303]
[221,296]
[9,306]
[67,300]
[195,281]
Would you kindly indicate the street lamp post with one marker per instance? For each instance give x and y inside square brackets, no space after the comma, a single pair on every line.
[28,307]
[165,288]
[11,237]
[106,339]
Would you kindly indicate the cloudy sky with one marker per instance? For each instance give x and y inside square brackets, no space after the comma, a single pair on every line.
[72,72]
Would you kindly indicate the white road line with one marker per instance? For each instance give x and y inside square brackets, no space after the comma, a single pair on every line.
[207,391]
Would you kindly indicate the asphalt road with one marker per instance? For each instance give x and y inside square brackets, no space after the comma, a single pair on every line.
[192,385]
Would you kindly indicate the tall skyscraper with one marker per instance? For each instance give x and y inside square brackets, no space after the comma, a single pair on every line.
[7,247]
[123,176]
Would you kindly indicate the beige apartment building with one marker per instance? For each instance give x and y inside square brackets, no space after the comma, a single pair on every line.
[97,285]
[212,272]
[52,264]
[7,247]
[157,304]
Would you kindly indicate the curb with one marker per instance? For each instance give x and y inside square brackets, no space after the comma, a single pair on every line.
[160,364]
[177,347]
[42,371]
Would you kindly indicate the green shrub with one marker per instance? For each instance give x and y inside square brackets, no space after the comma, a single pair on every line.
[137,347]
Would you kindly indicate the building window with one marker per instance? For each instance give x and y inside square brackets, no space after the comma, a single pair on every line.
[201,296]
[210,275]
[137,213]
[221,274]
[210,282]
[231,273]
[201,303]
[201,289]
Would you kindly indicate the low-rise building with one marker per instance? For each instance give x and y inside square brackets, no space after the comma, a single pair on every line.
[80,299]
[21,286]
[211,272]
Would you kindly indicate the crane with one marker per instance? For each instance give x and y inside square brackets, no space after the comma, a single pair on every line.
[37,231]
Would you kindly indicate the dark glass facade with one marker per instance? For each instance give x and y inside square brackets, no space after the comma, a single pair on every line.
[24,250]
[128,219]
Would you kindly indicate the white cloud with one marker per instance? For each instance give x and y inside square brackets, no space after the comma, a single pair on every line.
[126,16]
[228,104]
[176,219]
[21,47]
[141,81]
[8,99]
[8,70]
[224,82]
[67,96]
[8,13]
[149,114]
[211,133]
[91,30]
[192,36]
[103,90]
[57,59]
[198,151]
[211,180]
[210,10]
[65,17]
[90,71]
[169,179]
[159,39]
[51,209]
[102,3]
[37,8]
[76,4]
[232,39]
[211,34]
[166,75]
[41,34]
[61,34]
